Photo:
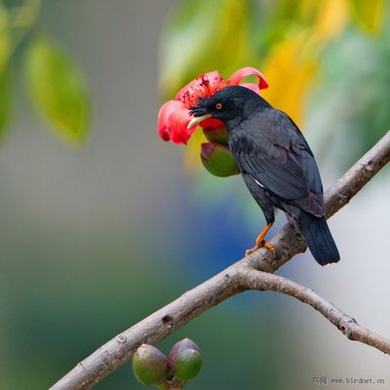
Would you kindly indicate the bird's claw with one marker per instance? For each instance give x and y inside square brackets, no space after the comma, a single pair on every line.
[262,244]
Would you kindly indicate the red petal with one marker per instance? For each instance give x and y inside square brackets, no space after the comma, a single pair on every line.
[166,110]
[178,122]
[253,87]
[211,123]
[203,86]
[240,74]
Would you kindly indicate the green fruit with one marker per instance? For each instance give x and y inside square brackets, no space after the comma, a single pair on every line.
[185,360]
[182,344]
[216,135]
[218,159]
[150,366]
[186,364]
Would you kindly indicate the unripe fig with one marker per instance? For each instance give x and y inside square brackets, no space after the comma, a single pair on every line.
[185,360]
[218,159]
[150,366]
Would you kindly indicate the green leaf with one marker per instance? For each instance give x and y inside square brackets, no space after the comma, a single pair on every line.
[5,44]
[5,100]
[199,37]
[5,52]
[368,14]
[57,88]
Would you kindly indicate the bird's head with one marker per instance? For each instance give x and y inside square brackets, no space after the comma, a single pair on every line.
[227,104]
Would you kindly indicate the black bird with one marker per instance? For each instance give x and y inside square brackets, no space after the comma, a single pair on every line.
[276,163]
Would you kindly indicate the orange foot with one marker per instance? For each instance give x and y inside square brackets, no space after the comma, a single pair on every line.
[263,244]
[260,242]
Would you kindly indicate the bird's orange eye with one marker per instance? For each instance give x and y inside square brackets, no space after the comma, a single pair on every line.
[218,106]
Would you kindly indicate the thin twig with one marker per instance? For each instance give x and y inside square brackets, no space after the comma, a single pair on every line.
[232,280]
[264,281]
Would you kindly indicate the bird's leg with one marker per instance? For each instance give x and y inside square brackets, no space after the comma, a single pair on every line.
[260,241]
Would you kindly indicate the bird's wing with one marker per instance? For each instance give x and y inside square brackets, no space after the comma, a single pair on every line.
[273,151]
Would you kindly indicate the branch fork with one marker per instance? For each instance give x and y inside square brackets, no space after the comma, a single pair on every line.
[254,272]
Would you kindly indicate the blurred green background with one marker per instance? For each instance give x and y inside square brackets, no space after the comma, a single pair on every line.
[101,223]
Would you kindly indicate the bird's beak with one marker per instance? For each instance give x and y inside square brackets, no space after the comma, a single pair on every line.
[196,120]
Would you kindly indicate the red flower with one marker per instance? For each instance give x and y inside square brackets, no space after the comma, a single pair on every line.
[174,115]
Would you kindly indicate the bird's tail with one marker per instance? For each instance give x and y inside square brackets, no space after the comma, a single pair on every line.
[318,238]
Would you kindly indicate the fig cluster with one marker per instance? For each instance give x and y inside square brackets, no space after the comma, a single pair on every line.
[152,368]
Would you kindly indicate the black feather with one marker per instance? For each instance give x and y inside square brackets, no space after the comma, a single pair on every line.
[318,238]
[276,162]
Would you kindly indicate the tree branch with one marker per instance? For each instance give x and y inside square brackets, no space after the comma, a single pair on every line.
[242,275]
[264,281]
